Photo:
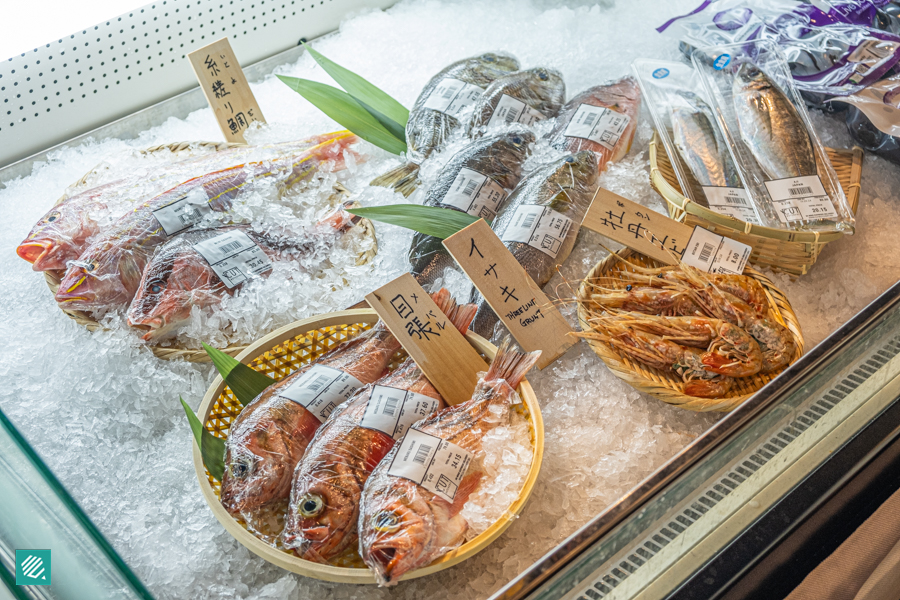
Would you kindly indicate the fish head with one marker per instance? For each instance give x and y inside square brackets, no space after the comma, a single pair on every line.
[103,277]
[172,284]
[547,84]
[57,238]
[517,140]
[322,513]
[491,65]
[573,175]
[256,470]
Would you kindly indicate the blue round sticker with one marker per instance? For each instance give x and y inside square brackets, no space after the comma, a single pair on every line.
[660,73]
[721,61]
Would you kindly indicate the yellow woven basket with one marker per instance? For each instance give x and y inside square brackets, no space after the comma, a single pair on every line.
[281,353]
[786,250]
[668,386]
[173,352]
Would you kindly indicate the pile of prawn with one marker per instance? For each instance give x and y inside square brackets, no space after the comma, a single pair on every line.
[708,329]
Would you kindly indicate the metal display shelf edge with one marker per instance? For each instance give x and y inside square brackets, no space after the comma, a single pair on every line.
[791,379]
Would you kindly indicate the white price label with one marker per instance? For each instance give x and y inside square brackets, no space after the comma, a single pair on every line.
[733,202]
[322,389]
[453,96]
[601,125]
[512,110]
[869,55]
[538,226]
[392,411]
[800,199]
[713,253]
[184,213]
[435,464]
[477,194]
[234,257]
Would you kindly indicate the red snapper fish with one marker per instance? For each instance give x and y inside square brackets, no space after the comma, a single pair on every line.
[63,233]
[108,273]
[328,482]
[180,275]
[410,508]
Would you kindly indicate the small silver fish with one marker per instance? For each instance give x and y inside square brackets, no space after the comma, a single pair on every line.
[699,142]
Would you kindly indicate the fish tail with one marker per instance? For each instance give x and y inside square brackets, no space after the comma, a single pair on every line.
[511,364]
[403,179]
[460,315]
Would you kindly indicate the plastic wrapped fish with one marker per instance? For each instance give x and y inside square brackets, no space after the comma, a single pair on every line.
[524,97]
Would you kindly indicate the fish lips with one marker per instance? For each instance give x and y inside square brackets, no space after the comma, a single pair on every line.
[44,255]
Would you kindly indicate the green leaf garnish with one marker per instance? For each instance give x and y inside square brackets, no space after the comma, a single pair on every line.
[341,107]
[212,449]
[430,220]
[246,383]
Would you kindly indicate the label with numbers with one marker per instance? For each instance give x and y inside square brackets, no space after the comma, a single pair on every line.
[453,96]
[601,125]
[800,199]
[437,465]
[713,253]
[392,411]
[733,202]
[322,389]
[477,194]
[234,257]
[184,213]
[512,110]
[538,226]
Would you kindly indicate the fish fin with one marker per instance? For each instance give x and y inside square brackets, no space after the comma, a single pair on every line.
[467,486]
[511,364]
[461,315]
[404,179]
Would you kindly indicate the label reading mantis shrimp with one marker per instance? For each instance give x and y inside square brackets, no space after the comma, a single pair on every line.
[477,194]
[392,411]
[511,110]
[322,389]
[453,96]
[713,253]
[234,257]
[184,213]
[730,201]
[601,125]
[435,464]
[538,226]
[800,199]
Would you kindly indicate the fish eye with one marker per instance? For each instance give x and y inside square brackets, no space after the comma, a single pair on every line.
[52,217]
[155,288]
[240,469]
[385,521]
[517,140]
[628,288]
[90,266]
[543,76]
[311,505]
[489,58]
[570,159]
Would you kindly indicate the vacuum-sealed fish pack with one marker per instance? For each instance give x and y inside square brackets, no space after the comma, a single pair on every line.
[778,155]
[873,118]
[696,148]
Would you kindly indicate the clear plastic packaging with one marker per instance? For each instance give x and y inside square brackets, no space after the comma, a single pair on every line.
[779,157]
[524,97]
[410,508]
[873,118]
[690,133]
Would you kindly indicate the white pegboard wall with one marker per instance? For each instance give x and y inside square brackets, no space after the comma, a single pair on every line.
[129,62]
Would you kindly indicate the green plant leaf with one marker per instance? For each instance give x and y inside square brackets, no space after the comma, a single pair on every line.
[396,129]
[212,449]
[341,107]
[430,220]
[246,383]
[382,106]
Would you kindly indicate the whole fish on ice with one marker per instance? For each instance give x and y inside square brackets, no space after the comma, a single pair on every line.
[699,142]
[524,97]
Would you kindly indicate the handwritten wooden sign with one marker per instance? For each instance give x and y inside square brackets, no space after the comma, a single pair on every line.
[514,296]
[428,336]
[227,91]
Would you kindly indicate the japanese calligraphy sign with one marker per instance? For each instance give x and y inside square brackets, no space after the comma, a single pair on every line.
[227,91]
[440,350]
[514,296]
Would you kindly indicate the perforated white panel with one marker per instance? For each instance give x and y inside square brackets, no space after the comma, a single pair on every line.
[100,74]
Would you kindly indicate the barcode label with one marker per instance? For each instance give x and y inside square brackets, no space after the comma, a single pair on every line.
[475,193]
[393,411]
[800,199]
[184,213]
[511,110]
[321,389]
[234,257]
[601,125]
[453,96]
[713,253]
[732,202]
[707,251]
[437,465]
[538,226]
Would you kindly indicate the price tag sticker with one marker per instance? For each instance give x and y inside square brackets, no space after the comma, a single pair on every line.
[436,464]
[713,253]
[184,213]
[453,96]
[540,227]
[322,389]
[234,257]
[601,125]
[732,202]
[392,411]
[475,193]
[511,110]
[800,199]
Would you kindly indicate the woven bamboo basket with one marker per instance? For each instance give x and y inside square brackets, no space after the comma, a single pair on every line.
[281,353]
[668,386]
[785,250]
[85,319]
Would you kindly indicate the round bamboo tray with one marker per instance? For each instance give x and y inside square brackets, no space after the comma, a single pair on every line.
[665,385]
[87,320]
[281,353]
[786,250]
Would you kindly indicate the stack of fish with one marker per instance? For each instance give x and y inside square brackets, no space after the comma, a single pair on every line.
[329,441]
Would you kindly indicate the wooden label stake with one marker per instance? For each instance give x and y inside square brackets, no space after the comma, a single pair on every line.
[227,91]
[428,336]
[524,309]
